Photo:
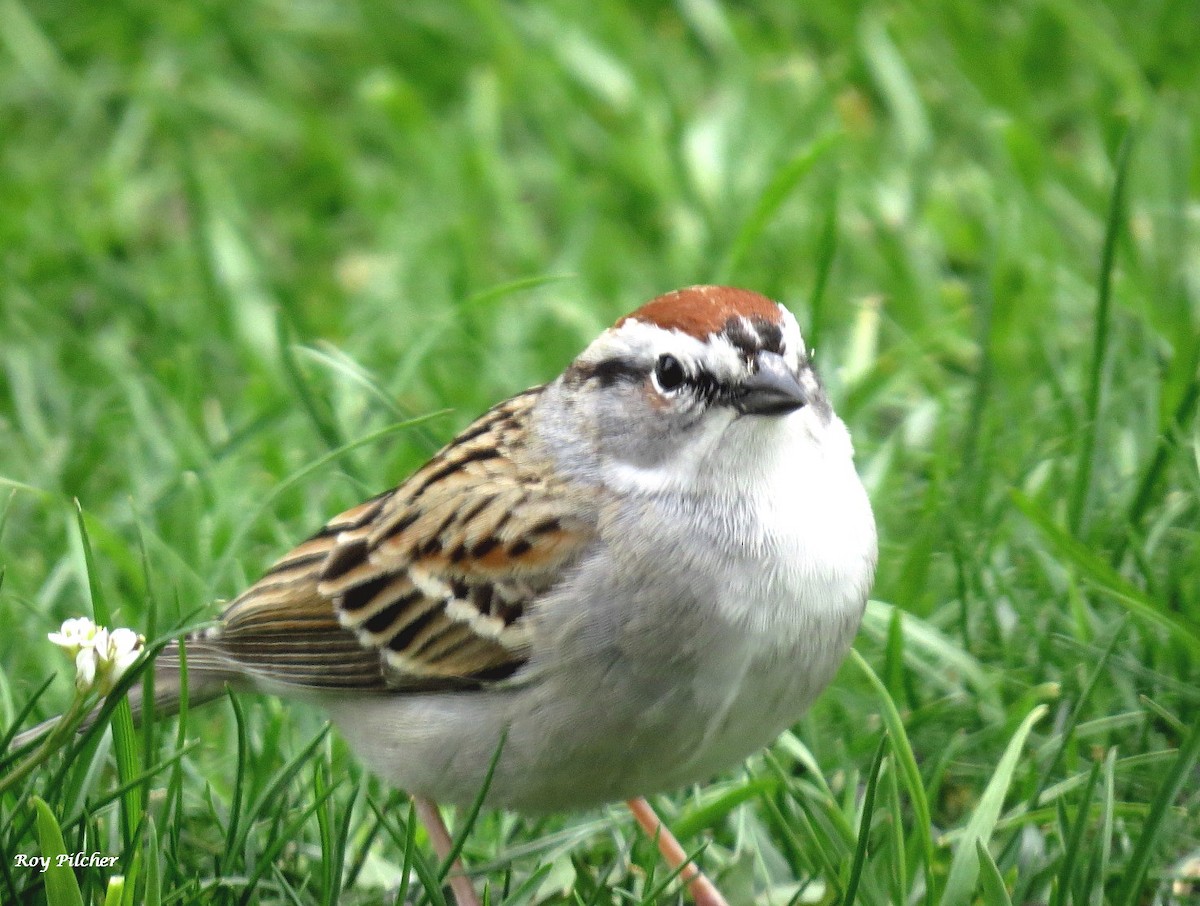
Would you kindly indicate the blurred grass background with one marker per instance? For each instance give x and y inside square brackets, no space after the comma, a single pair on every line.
[238,238]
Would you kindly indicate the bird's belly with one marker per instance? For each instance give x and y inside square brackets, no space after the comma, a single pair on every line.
[737,701]
[606,733]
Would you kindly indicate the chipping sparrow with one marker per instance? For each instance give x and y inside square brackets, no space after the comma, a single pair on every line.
[636,575]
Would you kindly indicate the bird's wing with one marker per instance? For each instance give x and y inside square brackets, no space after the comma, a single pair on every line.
[427,586]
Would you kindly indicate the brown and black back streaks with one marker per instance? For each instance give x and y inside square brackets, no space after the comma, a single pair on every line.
[425,586]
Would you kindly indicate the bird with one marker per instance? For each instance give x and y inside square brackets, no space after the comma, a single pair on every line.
[615,584]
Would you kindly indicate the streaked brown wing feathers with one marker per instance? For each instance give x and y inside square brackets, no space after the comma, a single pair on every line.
[425,586]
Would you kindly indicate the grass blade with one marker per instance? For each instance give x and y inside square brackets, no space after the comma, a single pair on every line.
[1068,730]
[124,736]
[152,894]
[1066,874]
[414,861]
[994,891]
[266,859]
[826,252]
[62,888]
[1098,867]
[410,843]
[274,790]
[315,406]
[782,184]
[899,878]
[1097,572]
[711,812]
[864,826]
[1085,465]
[964,867]
[902,749]
[472,814]
[333,833]
[233,833]
[1139,863]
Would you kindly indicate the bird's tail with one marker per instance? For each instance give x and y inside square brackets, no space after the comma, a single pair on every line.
[208,676]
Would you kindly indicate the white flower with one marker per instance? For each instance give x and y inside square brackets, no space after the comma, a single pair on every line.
[85,669]
[124,646]
[101,657]
[74,634]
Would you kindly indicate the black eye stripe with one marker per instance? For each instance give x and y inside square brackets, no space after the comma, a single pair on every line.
[628,371]
[608,372]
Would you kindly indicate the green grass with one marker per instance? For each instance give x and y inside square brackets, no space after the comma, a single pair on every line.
[239,244]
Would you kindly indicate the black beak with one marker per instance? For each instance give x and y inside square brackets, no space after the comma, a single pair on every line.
[771,390]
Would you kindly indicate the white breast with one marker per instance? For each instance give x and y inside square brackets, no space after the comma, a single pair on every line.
[800,561]
[790,515]
[771,558]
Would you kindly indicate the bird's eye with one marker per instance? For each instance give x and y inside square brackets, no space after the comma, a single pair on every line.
[668,373]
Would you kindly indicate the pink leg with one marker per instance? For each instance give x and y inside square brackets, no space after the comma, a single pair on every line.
[701,888]
[439,836]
